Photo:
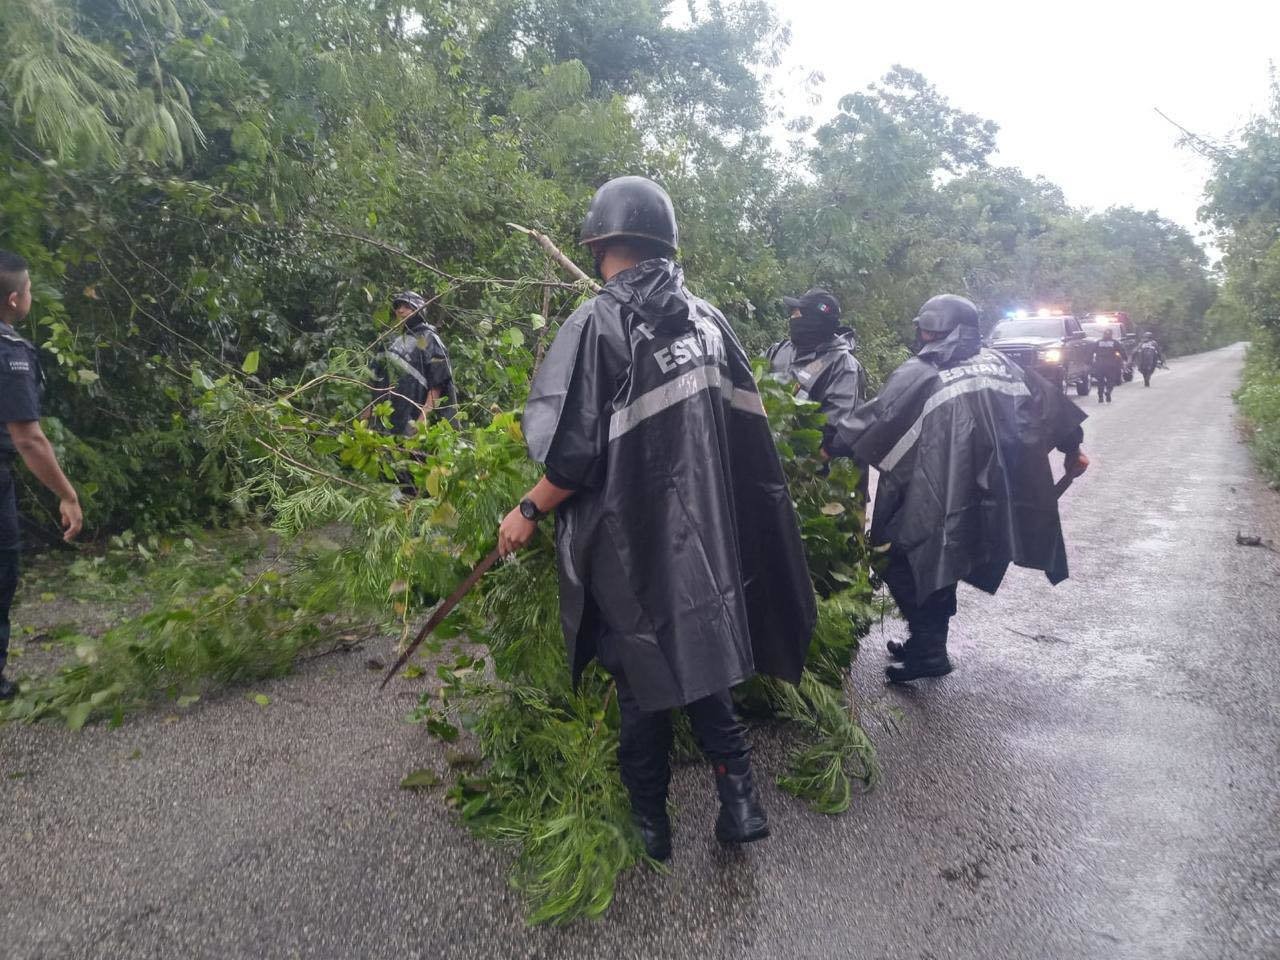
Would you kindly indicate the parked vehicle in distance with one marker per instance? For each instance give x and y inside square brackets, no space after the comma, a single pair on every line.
[1054,346]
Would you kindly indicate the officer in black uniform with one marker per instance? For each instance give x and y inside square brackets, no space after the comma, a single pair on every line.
[21,383]
[1109,358]
[413,373]
[681,566]
[818,359]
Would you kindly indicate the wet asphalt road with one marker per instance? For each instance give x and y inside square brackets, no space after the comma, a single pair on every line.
[1100,778]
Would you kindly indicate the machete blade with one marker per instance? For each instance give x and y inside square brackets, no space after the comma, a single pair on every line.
[443,610]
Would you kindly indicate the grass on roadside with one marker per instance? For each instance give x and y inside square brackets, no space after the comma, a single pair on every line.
[1259,400]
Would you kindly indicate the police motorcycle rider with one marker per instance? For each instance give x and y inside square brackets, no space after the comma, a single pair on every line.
[1147,356]
[961,437]
[413,372]
[1107,369]
[818,359]
[681,566]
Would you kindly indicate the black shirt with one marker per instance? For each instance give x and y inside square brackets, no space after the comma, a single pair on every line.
[21,384]
[414,364]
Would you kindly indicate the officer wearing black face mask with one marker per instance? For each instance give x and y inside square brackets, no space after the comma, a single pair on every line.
[818,359]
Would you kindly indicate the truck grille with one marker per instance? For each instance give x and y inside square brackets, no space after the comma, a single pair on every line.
[1026,359]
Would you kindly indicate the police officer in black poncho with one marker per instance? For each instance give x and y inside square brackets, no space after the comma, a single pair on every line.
[1147,357]
[679,553]
[413,372]
[961,436]
[818,360]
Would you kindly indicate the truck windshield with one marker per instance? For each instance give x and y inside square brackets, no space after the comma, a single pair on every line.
[1039,327]
[1095,330]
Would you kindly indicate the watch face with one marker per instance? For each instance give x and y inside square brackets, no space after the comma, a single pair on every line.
[528,510]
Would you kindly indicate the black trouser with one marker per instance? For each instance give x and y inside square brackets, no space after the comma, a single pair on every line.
[10,545]
[8,584]
[644,743]
[927,619]
[1106,381]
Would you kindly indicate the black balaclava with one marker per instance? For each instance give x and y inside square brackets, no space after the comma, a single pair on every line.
[818,321]
[808,332]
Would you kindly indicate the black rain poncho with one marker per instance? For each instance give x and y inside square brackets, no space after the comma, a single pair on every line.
[961,436]
[827,374]
[1147,357]
[681,542]
[413,364]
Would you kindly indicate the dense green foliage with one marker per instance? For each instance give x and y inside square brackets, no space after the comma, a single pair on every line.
[192,185]
[1243,203]
[1259,400]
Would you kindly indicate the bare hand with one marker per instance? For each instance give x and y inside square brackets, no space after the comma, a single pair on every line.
[72,519]
[1075,467]
[514,532]
[823,455]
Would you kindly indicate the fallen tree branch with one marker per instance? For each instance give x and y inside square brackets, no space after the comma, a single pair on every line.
[556,254]
[307,468]
[391,248]
[461,281]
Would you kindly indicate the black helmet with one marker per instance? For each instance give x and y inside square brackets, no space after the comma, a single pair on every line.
[631,207]
[409,299]
[944,313]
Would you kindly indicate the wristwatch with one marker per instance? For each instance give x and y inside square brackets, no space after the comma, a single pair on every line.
[529,510]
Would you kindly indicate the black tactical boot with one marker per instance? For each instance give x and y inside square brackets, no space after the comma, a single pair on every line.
[935,665]
[655,831]
[8,689]
[742,818]
[918,637]
[925,655]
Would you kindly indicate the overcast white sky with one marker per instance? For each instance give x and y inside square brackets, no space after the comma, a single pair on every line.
[1071,84]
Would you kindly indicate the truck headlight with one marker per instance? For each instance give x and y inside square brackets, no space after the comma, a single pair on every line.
[1051,356]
